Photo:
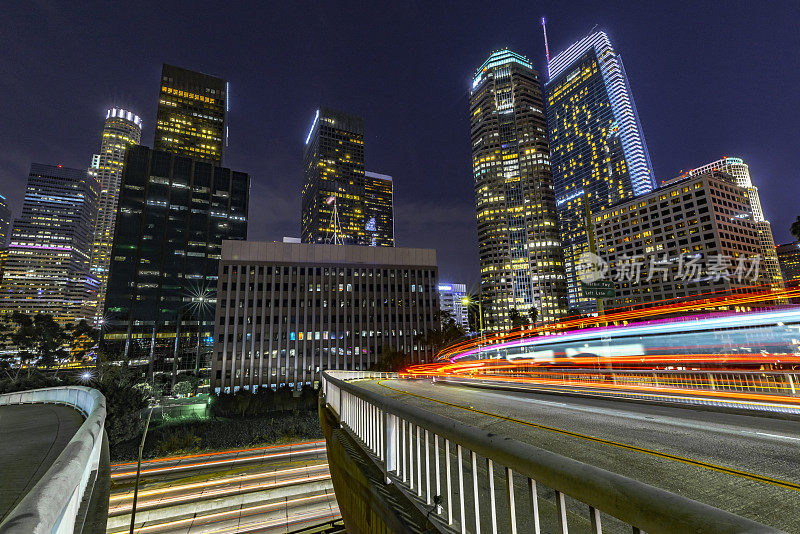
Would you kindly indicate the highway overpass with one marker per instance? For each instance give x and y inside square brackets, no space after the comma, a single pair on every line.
[588,464]
[54,464]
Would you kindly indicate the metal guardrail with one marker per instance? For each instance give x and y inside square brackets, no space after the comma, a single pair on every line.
[53,504]
[399,438]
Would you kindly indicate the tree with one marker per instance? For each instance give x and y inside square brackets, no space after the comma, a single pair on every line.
[124,402]
[36,341]
[83,339]
[391,360]
[533,314]
[516,318]
[439,338]
[795,228]
[184,387]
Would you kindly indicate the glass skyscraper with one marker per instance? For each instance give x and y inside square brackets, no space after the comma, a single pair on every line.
[379,225]
[47,269]
[522,266]
[598,151]
[192,114]
[334,208]
[174,213]
[122,130]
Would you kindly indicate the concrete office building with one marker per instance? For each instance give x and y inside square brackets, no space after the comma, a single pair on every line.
[48,265]
[740,173]
[676,235]
[451,300]
[286,311]
[521,261]
[598,151]
[122,130]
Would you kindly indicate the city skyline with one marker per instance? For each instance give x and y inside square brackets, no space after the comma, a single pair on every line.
[683,125]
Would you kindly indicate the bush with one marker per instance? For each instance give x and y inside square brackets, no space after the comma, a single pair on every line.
[264,402]
[171,438]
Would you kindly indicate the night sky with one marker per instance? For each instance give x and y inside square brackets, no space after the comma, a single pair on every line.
[709,80]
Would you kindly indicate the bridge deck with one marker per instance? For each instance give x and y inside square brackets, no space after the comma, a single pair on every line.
[743,464]
[31,438]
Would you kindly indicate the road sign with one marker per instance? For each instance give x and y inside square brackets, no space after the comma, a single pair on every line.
[599,289]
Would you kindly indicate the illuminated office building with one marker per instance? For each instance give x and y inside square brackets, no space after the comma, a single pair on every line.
[521,261]
[48,264]
[740,172]
[598,152]
[451,301]
[5,222]
[174,213]
[789,259]
[192,114]
[287,311]
[334,208]
[668,242]
[122,129]
[379,225]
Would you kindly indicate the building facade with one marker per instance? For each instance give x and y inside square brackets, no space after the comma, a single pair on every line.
[598,152]
[521,261]
[334,208]
[192,115]
[688,238]
[174,213]
[287,311]
[451,301]
[379,209]
[48,265]
[5,222]
[740,173]
[789,257]
[122,129]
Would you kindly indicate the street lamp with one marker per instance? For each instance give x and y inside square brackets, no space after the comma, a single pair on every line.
[466,301]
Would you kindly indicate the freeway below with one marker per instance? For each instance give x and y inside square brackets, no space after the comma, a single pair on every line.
[743,464]
[262,489]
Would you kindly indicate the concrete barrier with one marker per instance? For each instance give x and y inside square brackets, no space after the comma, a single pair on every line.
[58,503]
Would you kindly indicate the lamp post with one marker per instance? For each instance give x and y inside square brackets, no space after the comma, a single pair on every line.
[467,301]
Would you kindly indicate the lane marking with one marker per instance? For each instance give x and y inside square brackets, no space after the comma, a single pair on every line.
[735,472]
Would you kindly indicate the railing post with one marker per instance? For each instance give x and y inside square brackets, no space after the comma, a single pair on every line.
[594,519]
[419,466]
[492,503]
[512,507]
[561,507]
[437,471]
[535,506]
[791,383]
[427,468]
[449,482]
[389,449]
[461,488]
[474,459]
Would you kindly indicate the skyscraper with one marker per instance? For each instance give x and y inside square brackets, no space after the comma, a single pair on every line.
[379,225]
[5,222]
[334,209]
[48,265]
[174,213]
[520,252]
[122,129]
[192,114]
[740,173]
[599,155]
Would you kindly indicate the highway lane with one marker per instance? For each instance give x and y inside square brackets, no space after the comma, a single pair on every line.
[261,489]
[218,460]
[744,464]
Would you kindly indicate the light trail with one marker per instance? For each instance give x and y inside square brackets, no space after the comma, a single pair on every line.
[331,514]
[182,467]
[219,482]
[209,454]
[219,492]
[250,510]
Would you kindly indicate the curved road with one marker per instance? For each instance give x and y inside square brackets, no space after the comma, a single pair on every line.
[31,436]
[743,464]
